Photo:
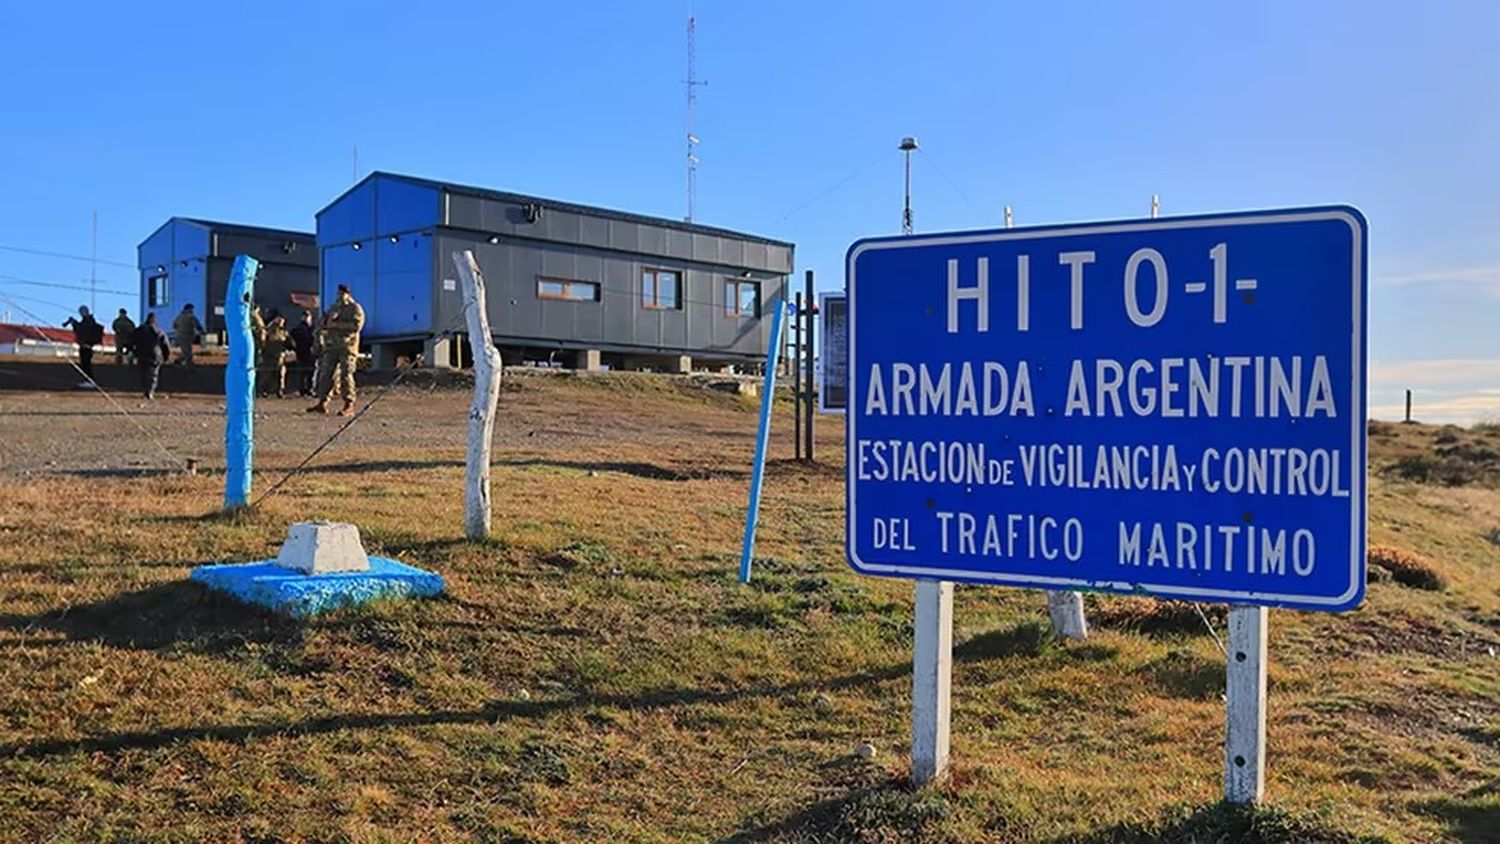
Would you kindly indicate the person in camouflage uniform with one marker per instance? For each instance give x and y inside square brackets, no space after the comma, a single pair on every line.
[339,338]
[124,329]
[186,330]
[273,343]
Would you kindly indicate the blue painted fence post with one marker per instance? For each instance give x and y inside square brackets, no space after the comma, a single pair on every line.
[763,437]
[239,383]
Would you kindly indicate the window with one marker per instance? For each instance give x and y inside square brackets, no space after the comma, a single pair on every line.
[661,289]
[742,298]
[566,288]
[156,291]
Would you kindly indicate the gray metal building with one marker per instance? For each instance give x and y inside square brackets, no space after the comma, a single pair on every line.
[188,261]
[586,285]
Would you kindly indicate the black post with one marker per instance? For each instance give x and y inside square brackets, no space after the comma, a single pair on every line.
[797,376]
[1408,407]
[811,377]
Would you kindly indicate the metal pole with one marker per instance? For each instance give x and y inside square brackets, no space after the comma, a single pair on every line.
[810,377]
[762,440]
[907,145]
[797,376]
[1408,406]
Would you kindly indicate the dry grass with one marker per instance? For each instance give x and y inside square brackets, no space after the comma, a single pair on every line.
[596,672]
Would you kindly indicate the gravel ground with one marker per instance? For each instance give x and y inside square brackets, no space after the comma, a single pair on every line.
[80,433]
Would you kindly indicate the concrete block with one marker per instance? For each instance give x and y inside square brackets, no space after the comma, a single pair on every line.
[680,365]
[323,548]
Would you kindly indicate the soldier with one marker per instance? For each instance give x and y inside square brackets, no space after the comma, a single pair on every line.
[304,343]
[151,351]
[87,332]
[339,337]
[257,326]
[186,329]
[124,329]
[273,356]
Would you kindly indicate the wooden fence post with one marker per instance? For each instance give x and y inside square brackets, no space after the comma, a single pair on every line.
[487,374]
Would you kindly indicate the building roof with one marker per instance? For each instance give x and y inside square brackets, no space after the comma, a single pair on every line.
[591,210]
[250,231]
[15,332]
[232,228]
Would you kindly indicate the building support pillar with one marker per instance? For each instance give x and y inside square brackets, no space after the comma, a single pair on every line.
[437,353]
[680,364]
[383,356]
[587,360]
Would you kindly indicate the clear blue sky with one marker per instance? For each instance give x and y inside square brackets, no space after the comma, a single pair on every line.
[1068,111]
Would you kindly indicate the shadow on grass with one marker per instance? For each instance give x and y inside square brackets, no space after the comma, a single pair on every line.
[1222,822]
[1473,817]
[181,612]
[169,614]
[362,466]
[1031,638]
[875,806]
[123,472]
[648,471]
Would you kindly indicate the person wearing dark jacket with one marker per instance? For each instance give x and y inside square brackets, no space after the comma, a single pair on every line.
[88,333]
[304,344]
[151,351]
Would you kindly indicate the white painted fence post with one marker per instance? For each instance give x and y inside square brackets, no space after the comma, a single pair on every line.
[487,374]
[1245,693]
[1066,612]
[932,680]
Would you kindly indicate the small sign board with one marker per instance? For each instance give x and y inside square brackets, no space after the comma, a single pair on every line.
[833,353]
[1173,407]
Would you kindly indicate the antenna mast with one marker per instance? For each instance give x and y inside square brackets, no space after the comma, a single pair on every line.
[693,83]
[908,144]
[94,263]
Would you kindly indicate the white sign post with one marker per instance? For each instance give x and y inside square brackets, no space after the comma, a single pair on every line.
[487,373]
[932,680]
[1245,695]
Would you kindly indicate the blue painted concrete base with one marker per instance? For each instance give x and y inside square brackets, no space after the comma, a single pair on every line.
[298,595]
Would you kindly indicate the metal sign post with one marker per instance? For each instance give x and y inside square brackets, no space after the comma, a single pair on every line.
[809,377]
[1172,407]
[762,437]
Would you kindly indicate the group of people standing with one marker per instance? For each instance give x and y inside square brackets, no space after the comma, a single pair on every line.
[325,356]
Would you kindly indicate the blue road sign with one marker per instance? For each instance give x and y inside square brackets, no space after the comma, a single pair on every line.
[1171,407]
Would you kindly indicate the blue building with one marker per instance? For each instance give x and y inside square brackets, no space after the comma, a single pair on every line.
[188,261]
[588,285]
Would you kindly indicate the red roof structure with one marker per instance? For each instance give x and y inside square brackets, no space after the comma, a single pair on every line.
[15,333]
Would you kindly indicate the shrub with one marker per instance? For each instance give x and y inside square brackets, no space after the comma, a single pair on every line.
[1405,567]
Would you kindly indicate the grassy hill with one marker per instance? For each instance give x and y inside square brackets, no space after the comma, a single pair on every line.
[596,673]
